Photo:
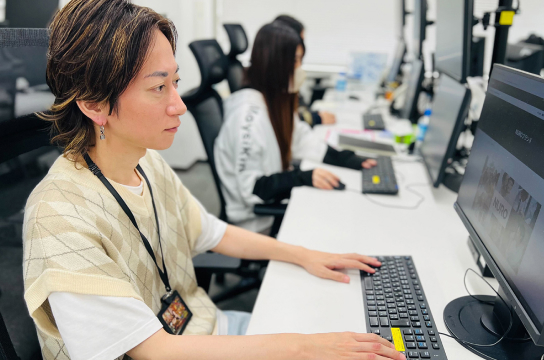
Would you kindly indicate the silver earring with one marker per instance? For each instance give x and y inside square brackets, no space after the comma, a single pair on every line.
[102,136]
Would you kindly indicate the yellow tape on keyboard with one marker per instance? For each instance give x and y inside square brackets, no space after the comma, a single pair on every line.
[397,339]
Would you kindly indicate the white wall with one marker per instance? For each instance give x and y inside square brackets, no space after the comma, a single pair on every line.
[333,28]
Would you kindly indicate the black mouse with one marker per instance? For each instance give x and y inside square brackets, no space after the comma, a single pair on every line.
[341,186]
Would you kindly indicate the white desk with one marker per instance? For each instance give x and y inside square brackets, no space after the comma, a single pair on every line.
[291,300]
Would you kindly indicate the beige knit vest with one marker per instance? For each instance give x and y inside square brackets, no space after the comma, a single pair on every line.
[78,239]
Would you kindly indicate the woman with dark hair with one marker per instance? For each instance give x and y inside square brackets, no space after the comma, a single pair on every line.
[110,232]
[311,117]
[260,136]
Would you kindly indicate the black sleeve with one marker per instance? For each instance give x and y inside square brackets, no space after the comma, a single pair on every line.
[344,158]
[316,118]
[278,186]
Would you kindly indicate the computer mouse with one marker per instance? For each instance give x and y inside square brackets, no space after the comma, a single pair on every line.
[341,186]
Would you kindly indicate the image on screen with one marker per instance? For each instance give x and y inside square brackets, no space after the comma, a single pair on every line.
[453,37]
[507,212]
[449,109]
[503,187]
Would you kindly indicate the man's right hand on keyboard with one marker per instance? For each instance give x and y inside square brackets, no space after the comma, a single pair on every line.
[348,345]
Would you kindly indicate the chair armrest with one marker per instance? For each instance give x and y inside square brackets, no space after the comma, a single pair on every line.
[216,262]
[270,209]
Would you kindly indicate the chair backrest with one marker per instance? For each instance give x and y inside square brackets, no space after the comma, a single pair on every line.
[7,352]
[19,136]
[238,45]
[205,104]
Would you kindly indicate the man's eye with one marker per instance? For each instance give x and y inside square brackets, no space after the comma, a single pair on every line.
[159,88]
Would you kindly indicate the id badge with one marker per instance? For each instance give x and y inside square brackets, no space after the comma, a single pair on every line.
[175,314]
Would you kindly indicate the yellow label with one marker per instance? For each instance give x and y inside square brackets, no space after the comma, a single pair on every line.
[371,123]
[397,339]
[507,18]
[375,179]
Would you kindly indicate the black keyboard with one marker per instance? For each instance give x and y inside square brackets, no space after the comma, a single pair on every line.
[397,310]
[373,122]
[381,178]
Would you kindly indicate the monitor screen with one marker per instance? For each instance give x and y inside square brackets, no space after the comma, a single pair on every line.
[419,24]
[453,37]
[450,107]
[409,110]
[502,192]
[397,62]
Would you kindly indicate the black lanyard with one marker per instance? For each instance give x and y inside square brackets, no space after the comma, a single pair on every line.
[96,170]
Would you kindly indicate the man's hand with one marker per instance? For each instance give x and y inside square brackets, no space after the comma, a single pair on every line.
[323,265]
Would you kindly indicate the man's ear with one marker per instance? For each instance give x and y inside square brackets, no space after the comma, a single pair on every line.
[96,112]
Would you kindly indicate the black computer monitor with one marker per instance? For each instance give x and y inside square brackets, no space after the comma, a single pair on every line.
[401,18]
[420,24]
[525,56]
[394,71]
[500,204]
[454,37]
[415,80]
[450,108]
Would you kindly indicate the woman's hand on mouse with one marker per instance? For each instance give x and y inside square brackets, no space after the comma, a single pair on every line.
[369,163]
[327,118]
[323,179]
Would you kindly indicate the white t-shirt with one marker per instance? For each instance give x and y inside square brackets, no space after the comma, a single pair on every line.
[105,327]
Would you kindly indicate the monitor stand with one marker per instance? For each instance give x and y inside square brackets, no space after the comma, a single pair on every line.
[452,181]
[483,322]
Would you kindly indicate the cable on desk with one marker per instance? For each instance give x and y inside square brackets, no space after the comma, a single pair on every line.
[470,344]
[408,187]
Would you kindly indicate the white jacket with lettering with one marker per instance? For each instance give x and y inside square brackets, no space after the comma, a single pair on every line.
[246,149]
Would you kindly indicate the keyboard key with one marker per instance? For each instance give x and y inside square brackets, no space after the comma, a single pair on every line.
[382,308]
[422,306]
[382,313]
[427,318]
[420,338]
[424,312]
[411,307]
[400,323]
[371,303]
[410,345]
[436,346]
[425,355]
[374,321]
[407,332]
[402,309]
[393,317]
[422,345]
[409,337]
[384,322]
[428,324]
[371,308]
[418,331]
[403,315]
[368,283]
[433,339]
[392,311]
[420,298]
[413,355]
[412,312]
[372,313]
[414,318]
[431,332]
[416,324]
[376,331]
[370,297]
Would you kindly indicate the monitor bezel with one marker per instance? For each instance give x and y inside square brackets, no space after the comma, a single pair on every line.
[396,65]
[536,331]
[421,12]
[467,42]
[411,114]
[452,144]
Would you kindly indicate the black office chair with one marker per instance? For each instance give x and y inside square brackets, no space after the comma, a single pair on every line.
[238,45]
[206,106]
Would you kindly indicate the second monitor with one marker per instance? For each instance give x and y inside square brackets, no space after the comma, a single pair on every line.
[450,108]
